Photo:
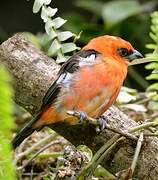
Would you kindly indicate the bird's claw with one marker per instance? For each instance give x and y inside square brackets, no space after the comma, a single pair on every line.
[82,116]
[101,125]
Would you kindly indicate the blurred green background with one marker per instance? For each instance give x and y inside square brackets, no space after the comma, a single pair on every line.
[129,19]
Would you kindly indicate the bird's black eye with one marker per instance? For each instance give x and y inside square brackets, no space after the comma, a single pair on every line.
[123,52]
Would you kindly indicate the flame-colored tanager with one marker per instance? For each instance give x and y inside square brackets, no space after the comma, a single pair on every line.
[89,82]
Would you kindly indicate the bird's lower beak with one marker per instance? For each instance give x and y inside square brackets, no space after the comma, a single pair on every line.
[135,55]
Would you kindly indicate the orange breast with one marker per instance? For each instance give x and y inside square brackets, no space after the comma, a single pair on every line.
[93,90]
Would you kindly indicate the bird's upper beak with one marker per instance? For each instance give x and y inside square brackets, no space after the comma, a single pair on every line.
[134,55]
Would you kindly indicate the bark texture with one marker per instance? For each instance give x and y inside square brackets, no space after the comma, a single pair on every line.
[33,73]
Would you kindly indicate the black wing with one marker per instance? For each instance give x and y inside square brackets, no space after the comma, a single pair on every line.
[70,66]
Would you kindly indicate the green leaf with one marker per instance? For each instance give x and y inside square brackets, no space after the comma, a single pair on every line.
[94,6]
[153,37]
[156,121]
[58,22]
[152,77]
[150,46]
[155,98]
[116,11]
[7,170]
[153,87]
[152,65]
[102,172]
[62,36]
[37,5]
[154,28]
[55,46]
[68,47]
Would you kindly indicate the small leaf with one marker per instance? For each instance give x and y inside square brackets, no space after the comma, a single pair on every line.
[44,14]
[49,29]
[60,58]
[47,13]
[152,65]
[116,11]
[51,11]
[155,98]
[156,121]
[152,77]
[153,37]
[48,26]
[52,34]
[55,46]
[46,2]
[150,46]
[37,5]
[153,87]
[154,28]
[102,172]
[62,36]
[155,71]
[68,47]
[58,22]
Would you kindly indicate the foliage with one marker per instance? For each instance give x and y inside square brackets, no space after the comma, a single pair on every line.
[109,17]
[57,37]
[153,65]
[6,109]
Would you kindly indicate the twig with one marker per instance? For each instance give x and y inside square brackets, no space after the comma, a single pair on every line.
[123,133]
[38,152]
[100,159]
[50,155]
[142,126]
[137,151]
[151,134]
[98,154]
[95,122]
[36,146]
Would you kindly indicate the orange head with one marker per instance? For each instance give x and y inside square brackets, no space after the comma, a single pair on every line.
[113,47]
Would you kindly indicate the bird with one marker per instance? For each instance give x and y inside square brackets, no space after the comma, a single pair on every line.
[88,82]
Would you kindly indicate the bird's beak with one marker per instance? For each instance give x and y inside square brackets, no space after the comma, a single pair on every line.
[134,55]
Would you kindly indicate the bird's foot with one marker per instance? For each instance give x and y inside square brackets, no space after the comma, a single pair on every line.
[82,117]
[101,124]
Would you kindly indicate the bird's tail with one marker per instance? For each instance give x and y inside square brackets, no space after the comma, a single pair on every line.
[25,132]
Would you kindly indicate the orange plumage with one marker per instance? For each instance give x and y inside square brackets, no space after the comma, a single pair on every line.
[88,82]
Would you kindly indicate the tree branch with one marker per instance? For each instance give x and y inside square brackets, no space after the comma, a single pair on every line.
[33,73]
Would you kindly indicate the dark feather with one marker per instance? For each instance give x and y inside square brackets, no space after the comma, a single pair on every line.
[70,66]
[25,132]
